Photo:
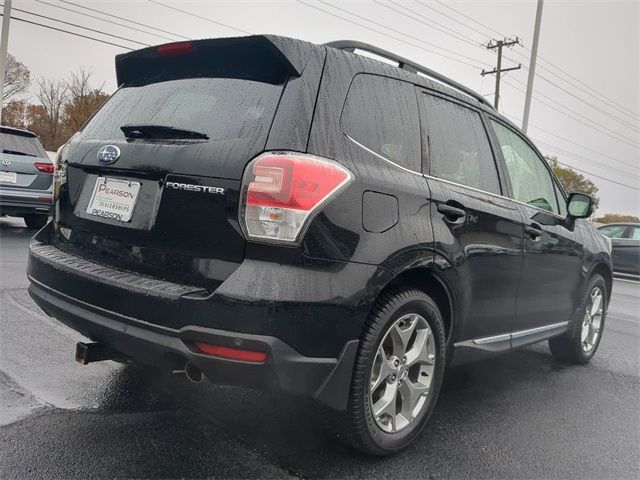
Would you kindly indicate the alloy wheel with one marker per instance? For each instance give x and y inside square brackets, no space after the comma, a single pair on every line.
[402,373]
[592,322]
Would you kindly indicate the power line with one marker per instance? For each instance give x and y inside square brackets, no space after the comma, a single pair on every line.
[608,114]
[111,22]
[428,22]
[68,32]
[397,31]
[125,19]
[629,112]
[451,18]
[582,146]
[595,107]
[598,176]
[562,89]
[589,161]
[199,16]
[622,138]
[613,134]
[398,39]
[79,26]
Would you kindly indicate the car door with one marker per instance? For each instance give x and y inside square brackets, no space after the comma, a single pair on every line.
[627,250]
[551,274]
[478,232]
[618,235]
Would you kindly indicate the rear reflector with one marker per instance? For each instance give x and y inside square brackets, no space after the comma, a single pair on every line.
[283,190]
[179,48]
[44,167]
[231,353]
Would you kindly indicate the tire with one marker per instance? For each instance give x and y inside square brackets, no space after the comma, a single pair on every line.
[572,346]
[36,221]
[395,313]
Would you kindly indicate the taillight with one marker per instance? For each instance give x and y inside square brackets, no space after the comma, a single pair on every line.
[44,167]
[178,48]
[282,191]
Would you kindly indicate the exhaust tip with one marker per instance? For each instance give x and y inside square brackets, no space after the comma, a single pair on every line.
[193,373]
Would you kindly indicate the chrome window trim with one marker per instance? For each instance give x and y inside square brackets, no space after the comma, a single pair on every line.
[519,333]
[408,170]
[479,190]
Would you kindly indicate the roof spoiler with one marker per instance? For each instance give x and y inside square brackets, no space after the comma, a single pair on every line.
[262,58]
[18,131]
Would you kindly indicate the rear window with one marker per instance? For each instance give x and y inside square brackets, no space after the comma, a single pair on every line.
[221,108]
[382,115]
[459,149]
[21,145]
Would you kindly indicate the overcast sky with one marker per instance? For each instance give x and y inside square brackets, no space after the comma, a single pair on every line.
[596,42]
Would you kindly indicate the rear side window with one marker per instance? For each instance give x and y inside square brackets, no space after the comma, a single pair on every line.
[221,108]
[635,233]
[21,145]
[458,145]
[530,178]
[613,231]
[382,115]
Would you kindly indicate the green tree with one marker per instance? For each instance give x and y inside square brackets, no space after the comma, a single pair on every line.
[573,181]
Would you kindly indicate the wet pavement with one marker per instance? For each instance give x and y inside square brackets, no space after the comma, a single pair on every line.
[520,415]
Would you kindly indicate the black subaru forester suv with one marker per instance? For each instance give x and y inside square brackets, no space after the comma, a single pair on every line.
[276,214]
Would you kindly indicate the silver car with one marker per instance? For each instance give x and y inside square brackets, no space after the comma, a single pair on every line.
[26,177]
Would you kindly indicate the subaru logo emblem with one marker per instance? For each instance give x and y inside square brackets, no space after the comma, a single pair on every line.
[108,154]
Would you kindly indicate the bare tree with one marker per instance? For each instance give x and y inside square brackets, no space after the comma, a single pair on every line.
[17,78]
[82,101]
[52,96]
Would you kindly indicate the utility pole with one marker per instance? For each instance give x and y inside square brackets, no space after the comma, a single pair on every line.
[500,44]
[532,67]
[4,43]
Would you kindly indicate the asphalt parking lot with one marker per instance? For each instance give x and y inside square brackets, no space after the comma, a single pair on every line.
[521,415]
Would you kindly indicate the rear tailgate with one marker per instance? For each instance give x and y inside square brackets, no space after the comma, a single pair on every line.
[20,151]
[172,204]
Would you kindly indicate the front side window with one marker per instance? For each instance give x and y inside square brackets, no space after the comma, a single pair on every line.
[382,115]
[458,145]
[613,231]
[531,181]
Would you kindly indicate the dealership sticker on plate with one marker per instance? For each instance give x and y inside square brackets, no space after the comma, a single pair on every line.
[113,198]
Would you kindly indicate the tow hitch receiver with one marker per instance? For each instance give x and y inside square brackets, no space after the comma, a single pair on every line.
[93,352]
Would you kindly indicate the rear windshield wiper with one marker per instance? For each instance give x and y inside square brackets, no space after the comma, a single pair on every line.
[161,132]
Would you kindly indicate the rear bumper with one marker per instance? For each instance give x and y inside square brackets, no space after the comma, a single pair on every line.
[310,343]
[21,202]
[321,378]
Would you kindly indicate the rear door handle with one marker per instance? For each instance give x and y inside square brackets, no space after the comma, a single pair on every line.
[450,212]
[534,231]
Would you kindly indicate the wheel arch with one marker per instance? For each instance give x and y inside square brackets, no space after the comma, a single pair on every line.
[428,281]
[606,272]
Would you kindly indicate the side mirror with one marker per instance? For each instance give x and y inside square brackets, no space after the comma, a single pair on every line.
[580,205]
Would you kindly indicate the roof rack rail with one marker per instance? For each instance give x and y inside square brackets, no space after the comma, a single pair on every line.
[408,65]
